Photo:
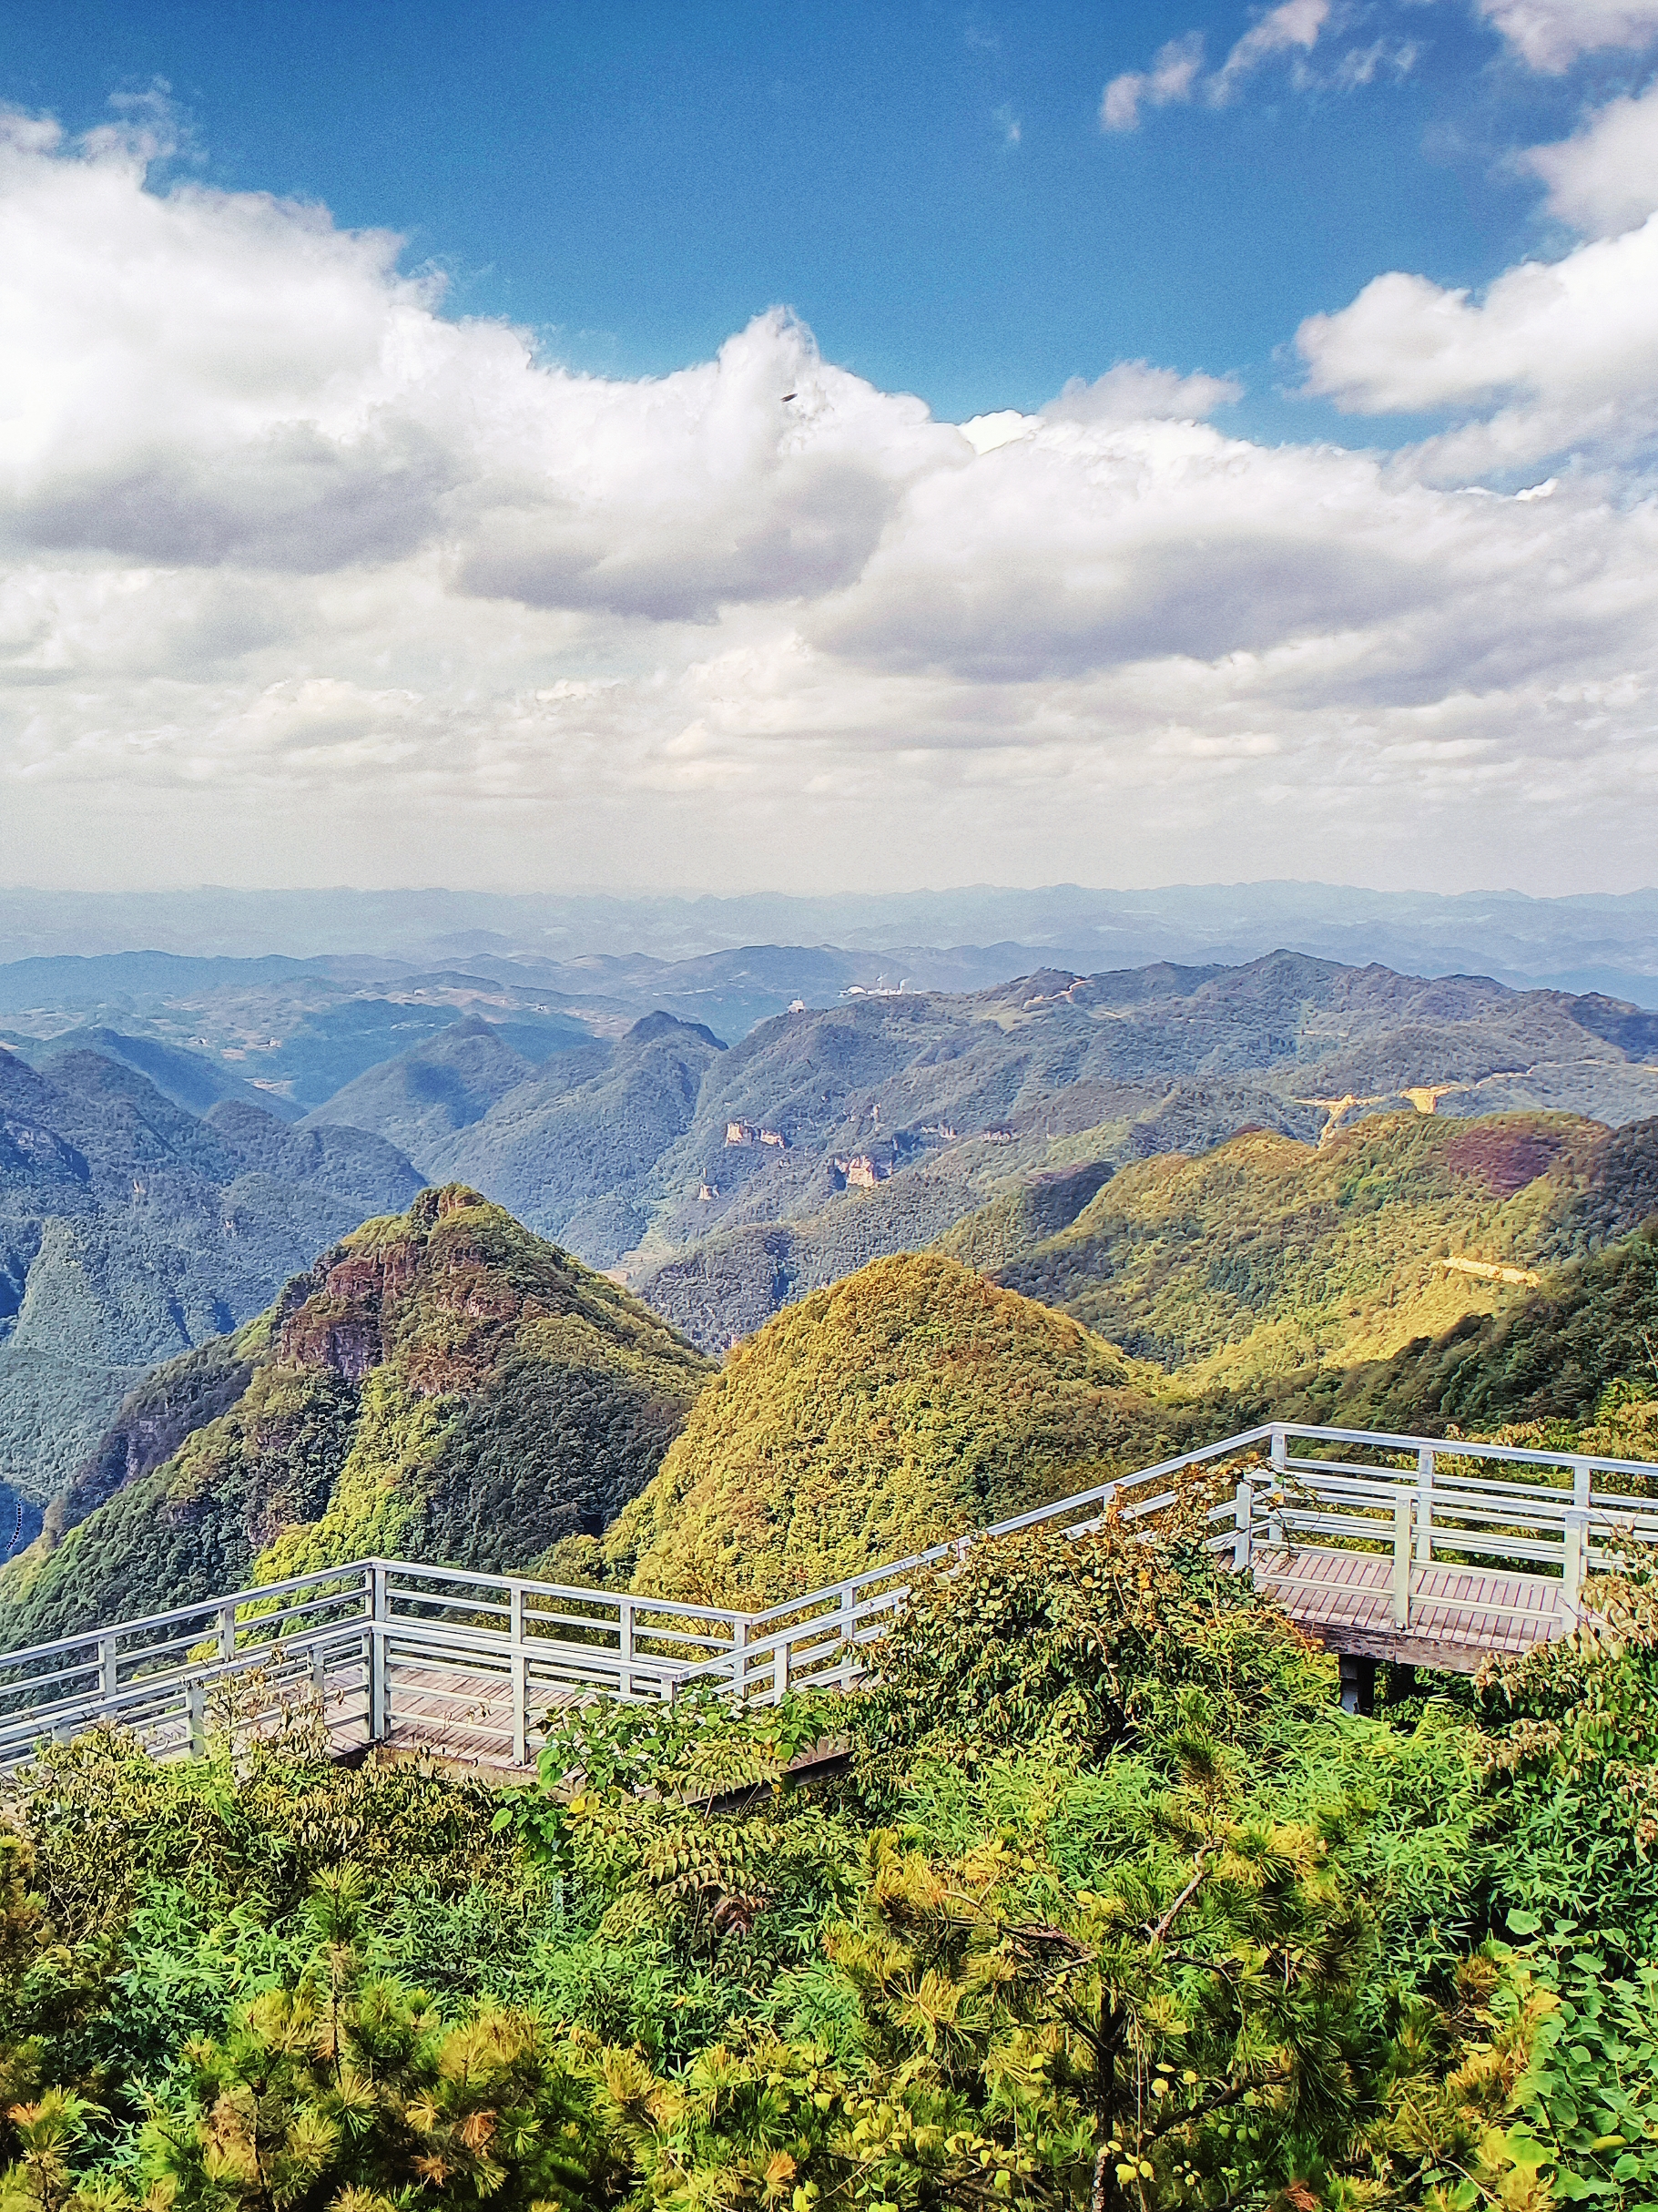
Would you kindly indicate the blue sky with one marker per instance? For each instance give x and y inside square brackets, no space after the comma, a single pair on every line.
[635,181]
[1210,439]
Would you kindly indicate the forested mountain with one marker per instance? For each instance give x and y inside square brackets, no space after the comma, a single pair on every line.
[575,1150]
[899,1117]
[590,1095]
[441,1384]
[910,1402]
[1582,1348]
[1265,1256]
[131,1230]
[723,1183]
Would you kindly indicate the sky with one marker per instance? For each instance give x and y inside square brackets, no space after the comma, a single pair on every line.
[726,447]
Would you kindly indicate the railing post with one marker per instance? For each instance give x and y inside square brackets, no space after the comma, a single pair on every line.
[848,1623]
[625,1646]
[1403,1499]
[106,1665]
[196,1713]
[1424,1507]
[378,1714]
[1572,1572]
[779,1670]
[1280,1454]
[521,1675]
[227,1632]
[1243,1522]
[740,1654]
[1580,1484]
[318,1676]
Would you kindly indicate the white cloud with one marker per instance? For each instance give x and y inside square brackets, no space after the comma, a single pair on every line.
[1135,392]
[1293,28]
[300,580]
[1294,24]
[1171,77]
[1605,179]
[1556,356]
[1550,34]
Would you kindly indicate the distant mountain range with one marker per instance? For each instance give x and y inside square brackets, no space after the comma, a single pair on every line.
[726,1182]
[727,1166]
[1595,942]
[179,1137]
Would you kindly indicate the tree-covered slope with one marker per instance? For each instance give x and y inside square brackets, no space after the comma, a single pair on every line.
[441,1384]
[1265,1256]
[945,1101]
[131,1230]
[423,1096]
[572,1150]
[1551,1356]
[903,1405]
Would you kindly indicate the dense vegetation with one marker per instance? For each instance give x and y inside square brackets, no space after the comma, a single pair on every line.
[573,1150]
[132,1229]
[1266,1257]
[955,1096]
[442,1383]
[910,1402]
[1115,1908]
[1550,1357]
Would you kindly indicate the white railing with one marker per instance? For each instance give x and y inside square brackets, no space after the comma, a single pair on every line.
[363,1638]
[392,1647]
[1428,1511]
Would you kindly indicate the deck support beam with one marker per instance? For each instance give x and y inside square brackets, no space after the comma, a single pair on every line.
[1358,1682]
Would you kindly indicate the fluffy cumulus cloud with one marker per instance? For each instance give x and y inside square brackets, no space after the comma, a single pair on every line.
[300,579]
[1135,392]
[1554,356]
[1605,179]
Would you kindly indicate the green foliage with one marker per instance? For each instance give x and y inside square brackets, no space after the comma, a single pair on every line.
[1115,1908]
[441,1383]
[1549,1356]
[1082,1644]
[1574,1753]
[1265,1256]
[909,1403]
[1591,2091]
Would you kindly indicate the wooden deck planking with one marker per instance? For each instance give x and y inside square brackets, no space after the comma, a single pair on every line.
[1462,1612]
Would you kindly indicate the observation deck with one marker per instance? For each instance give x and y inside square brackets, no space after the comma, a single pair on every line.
[1409,1549]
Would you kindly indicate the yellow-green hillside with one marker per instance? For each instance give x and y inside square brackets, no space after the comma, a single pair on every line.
[904,1405]
[1267,1256]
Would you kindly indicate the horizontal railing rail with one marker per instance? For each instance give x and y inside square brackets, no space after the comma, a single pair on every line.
[477,1659]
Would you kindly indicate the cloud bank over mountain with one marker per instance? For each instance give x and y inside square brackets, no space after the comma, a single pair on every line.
[304,579]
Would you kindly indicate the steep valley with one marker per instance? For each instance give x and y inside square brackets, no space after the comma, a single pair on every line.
[131,1230]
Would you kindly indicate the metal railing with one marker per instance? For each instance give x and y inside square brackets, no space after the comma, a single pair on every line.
[1429,1511]
[392,1647]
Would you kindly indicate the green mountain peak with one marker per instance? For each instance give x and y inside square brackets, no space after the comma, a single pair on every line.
[442,1383]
